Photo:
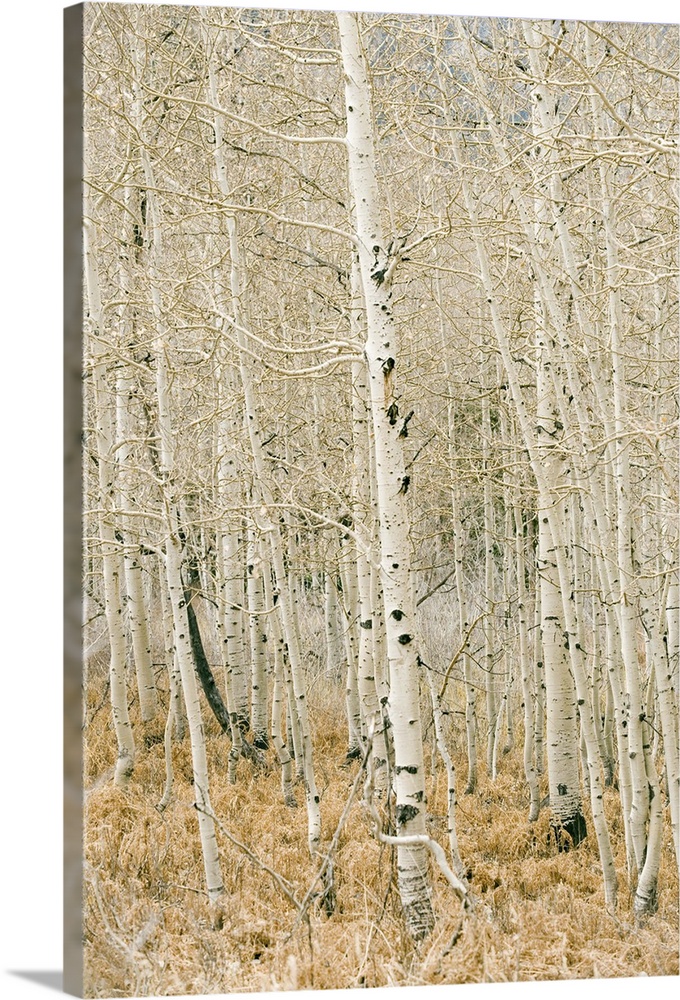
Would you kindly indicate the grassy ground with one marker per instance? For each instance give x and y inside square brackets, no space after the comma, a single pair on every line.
[149,928]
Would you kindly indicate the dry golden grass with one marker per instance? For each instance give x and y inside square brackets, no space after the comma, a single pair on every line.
[149,928]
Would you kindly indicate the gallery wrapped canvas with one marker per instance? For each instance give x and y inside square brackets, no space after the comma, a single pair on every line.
[378,458]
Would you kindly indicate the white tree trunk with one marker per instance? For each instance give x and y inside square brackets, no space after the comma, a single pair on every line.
[206,825]
[139,633]
[376,266]
[440,736]
[539,680]
[492,707]
[347,570]
[273,534]
[173,544]
[176,709]
[334,650]
[279,697]
[232,628]
[111,553]
[525,668]
[258,643]
[371,715]
[136,607]
[556,565]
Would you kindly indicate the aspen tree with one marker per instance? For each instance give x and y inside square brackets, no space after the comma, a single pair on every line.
[173,537]
[347,571]
[377,262]
[139,633]
[626,586]
[334,649]
[509,567]
[125,390]
[492,709]
[562,717]
[273,534]
[279,695]
[539,676]
[265,523]
[111,554]
[530,769]
[366,665]
[366,592]
[258,643]
[176,709]
[235,444]
[556,559]
[230,570]
[621,574]
[458,533]
[437,714]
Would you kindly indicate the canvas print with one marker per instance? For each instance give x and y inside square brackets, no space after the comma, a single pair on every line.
[380,499]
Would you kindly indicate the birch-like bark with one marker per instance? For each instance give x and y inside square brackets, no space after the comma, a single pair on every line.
[266,524]
[111,553]
[229,565]
[139,634]
[492,706]
[136,606]
[232,627]
[258,644]
[272,532]
[437,716]
[377,262]
[371,715]
[509,568]
[173,561]
[555,525]
[562,724]
[673,618]
[380,665]
[347,570]
[604,720]
[463,625]
[530,770]
[645,901]
[624,580]
[334,650]
[279,696]
[173,565]
[660,684]
[176,708]
[622,577]
[173,543]
[539,671]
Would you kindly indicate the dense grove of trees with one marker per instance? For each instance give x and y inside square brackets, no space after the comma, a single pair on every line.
[380,317]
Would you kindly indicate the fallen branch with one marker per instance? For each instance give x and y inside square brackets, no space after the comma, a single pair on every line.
[435,849]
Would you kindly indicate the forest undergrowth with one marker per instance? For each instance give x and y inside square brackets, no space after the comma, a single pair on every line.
[150,929]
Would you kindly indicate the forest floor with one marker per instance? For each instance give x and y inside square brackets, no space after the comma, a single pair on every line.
[150,930]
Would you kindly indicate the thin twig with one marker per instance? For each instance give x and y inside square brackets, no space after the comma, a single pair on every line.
[284,885]
[328,857]
[458,654]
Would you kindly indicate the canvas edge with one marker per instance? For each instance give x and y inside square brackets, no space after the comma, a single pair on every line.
[72,498]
